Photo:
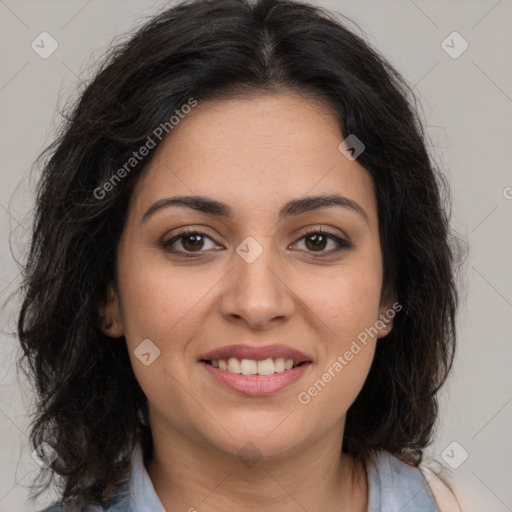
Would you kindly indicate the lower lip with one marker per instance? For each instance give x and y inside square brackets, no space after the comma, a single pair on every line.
[256,385]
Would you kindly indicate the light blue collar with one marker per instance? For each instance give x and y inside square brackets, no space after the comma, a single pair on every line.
[392,486]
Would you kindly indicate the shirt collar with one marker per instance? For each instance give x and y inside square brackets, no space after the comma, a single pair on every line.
[143,497]
[390,483]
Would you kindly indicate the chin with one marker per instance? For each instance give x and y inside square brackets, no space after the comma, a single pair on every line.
[268,440]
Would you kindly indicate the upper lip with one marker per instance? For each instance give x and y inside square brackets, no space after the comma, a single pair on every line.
[258,353]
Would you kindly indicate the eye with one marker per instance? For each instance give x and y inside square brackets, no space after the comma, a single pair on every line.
[316,240]
[192,242]
[188,242]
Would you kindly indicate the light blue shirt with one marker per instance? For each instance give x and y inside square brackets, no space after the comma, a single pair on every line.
[393,486]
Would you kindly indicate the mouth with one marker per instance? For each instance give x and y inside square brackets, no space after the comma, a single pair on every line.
[267,366]
[256,384]
[255,370]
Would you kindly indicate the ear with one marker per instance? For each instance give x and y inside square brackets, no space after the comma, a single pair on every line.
[387,311]
[110,313]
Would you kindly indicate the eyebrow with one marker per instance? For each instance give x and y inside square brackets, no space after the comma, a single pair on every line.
[294,207]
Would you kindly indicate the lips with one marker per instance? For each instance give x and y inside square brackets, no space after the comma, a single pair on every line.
[257,353]
[256,385]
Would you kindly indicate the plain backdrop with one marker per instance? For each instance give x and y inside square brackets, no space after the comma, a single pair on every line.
[466,100]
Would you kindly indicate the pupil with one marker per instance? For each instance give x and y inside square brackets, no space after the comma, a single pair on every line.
[320,241]
[197,243]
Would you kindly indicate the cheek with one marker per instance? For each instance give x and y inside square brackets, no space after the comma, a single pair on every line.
[347,319]
[346,301]
[166,305]
[330,395]
[163,309]
[159,299]
[346,307]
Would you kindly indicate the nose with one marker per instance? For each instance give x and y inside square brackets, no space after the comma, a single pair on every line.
[256,292]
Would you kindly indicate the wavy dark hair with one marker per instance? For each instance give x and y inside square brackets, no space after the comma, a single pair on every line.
[90,407]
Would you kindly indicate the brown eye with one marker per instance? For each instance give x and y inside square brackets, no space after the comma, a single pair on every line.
[316,241]
[192,242]
[189,242]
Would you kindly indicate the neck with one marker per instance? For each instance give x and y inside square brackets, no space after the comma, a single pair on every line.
[317,476]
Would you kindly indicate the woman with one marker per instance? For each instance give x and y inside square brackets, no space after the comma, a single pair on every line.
[240,293]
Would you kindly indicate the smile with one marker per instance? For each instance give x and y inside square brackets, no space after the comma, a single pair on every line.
[255,384]
[267,366]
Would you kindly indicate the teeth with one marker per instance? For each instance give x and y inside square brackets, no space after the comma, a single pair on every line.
[248,367]
[234,365]
[279,365]
[251,367]
[266,367]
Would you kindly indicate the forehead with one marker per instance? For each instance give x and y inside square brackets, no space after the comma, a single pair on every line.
[254,152]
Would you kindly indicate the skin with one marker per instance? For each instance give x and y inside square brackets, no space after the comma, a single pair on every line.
[254,154]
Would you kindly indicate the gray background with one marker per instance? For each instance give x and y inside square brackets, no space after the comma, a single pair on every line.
[467,106]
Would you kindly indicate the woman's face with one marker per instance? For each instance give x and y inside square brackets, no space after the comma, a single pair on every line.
[254,278]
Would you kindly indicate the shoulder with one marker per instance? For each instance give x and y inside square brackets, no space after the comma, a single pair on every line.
[394,485]
[441,489]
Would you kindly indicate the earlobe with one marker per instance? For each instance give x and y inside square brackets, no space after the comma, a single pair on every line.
[384,326]
[385,322]
[109,313]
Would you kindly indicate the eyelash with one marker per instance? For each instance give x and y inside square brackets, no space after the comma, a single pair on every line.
[342,243]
